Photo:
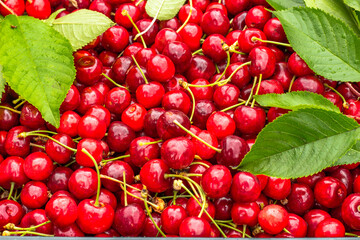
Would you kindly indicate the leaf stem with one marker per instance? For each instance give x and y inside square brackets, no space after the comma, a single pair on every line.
[227,66]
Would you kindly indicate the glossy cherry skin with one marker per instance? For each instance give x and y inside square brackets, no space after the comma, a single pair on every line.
[37,217]
[193,208]
[160,68]
[10,212]
[119,136]
[58,153]
[177,100]
[203,109]
[171,219]
[69,122]
[194,227]
[115,39]
[59,178]
[242,76]
[180,54]
[166,128]
[245,187]
[8,119]
[213,47]
[220,124]
[116,169]
[191,35]
[136,190]
[249,121]
[313,218]
[277,188]
[16,146]
[262,62]
[150,95]
[215,21]
[100,113]
[89,97]
[236,6]
[70,231]
[38,166]
[274,30]
[257,17]
[300,199]
[152,175]
[129,220]
[12,169]
[350,211]
[107,198]
[233,150]
[94,219]
[132,10]
[117,100]
[31,117]
[199,167]
[165,36]
[275,112]
[62,211]
[245,213]
[40,9]
[196,14]
[202,93]
[273,219]
[298,66]
[330,227]
[297,226]
[83,183]
[120,68]
[223,208]
[246,41]
[150,121]
[178,153]
[173,23]
[133,116]
[200,67]
[345,176]
[330,192]
[88,70]
[149,229]
[308,83]
[150,35]
[312,179]
[71,101]
[93,147]
[140,154]
[226,96]
[91,127]
[17,6]
[216,181]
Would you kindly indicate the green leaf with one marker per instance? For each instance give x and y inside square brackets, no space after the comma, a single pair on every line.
[355,4]
[336,8]
[351,156]
[37,63]
[163,9]
[53,16]
[1,18]
[285,4]
[301,143]
[296,100]
[2,82]
[82,26]
[326,44]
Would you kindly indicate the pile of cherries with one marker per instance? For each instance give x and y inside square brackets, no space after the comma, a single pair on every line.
[159,116]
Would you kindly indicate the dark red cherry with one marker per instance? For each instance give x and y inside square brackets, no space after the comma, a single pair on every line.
[298,66]
[236,6]
[149,36]
[215,21]
[101,6]
[246,41]
[123,20]
[249,121]
[173,23]
[38,166]
[117,100]
[203,109]
[308,83]
[150,121]
[257,17]
[59,178]
[165,36]
[233,150]
[116,169]
[15,145]
[120,68]
[40,9]
[274,30]
[36,217]
[199,167]
[282,74]
[58,153]
[223,208]
[345,176]
[166,128]
[245,187]
[149,228]
[191,35]
[313,218]
[135,78]
[301,199]
[200,67]
[129,220]
[88,98]
[274,113]
[140,154]
[242,76]
[330,227]
[88,70]
[213,47]
[245,213]
[72,100]
[133,49]
[273,219]
[61,211]
[180,54]
[152,175]
[83,183]
[34,194]
[93,147]
[171,219]
[178,153]
[193,208]
[194,227]
[8,119]
[10,212]
[70,231]
[119,136]
[270,86]
[216,181]
[115,39]
[31,117]
[330,192]
[350,211]
[262,62]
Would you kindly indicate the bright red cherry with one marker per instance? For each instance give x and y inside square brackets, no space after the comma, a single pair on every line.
[129,220]
[330,192]
[216,181]
[61,211]
[93,147]
[40,9]
[245,213]
[257,17]
[160,68]
[83,183]
[215,21]
[34,194]
[273,219]
[329,228]
[38,166]
[245,187]
[171,219]
[194,227]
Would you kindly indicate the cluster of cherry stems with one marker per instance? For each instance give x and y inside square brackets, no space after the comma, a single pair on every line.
[159,115]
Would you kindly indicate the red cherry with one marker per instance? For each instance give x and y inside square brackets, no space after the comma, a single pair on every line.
[70,231]
[191,35]
[129,220]
[38,166]
[330,227]
[115,39]
[236,6]
[178,153]
[249,120]
[31,117]
[69,122]
[150,95]
[277,188]
[330,192]
[257,17]
[298,66]
[59,178]
[220,124]
[297,226]
[93,147]
[132,10]
[140,154]
[116,169]
[17,6]
[119,136]
[12,169]
[194,227]
[40,9]
[273,219]
[160,68]
[180,54]
[216,181]
[58,153]
[15,145]
[195,17]
[171,219]
[91,127]
[83,183]
[246,42]
[177,100]
[245,187]
[262,62]
[233,150]
[245,213]
[165,36]
[274,30]
[215,21]
[213,47]
[152,175]
[10,212]
[62,211]
[300,199]
[37,217]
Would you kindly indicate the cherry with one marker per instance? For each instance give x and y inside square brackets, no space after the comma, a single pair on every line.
[166,128]
[313,218]
[193,208]
[275,112]
[330,227]
[134,190]
[135,77]
[180,54]
[10,212]
[94,218]
[149,228]
[191,35]
[40,9]
[195,17]
[177,100]
[298,66]
[203,110]
[120,68]
[194,227]
[178,153]
[202,93]
[70,231]
[62,211]
[72,100]
[140,154]
[277,188]
[101,6]
[345,176]
[270,86]
[38,166]
[152,175]
[282,74]
[160,68]
[101,113]
[117,100]
[15,145]
[173,23]
[236,6]
[215,21]
[330,192]
[150,95]
[226,96]
[133,49]
[220,124]
[93,147]
[8,118]
[344,90]
[199,167]
[232,37]
[312,179]
[297,226]
[91,127]
[82,183]
[246,41]
[115,39]
[262,62]
[308,83]
[59,153]
[144,55]
[116,169]
[201,4]
[88,98]
[12,169]
[249,120]
[223,208]
[129,220]
[17,6]
[150,121]
[241,77]
[36,217]
[132,11]
[350,211]
[69,123]
[88,70]
[119,136]
[59,178]
[245,213]
[171,218]
[200,67]
[273,219]
[233,151]
[216,181]
[257,17]
[245,187]
[165,36]
[151,33]
[31,117]
[133,116]
[213,47]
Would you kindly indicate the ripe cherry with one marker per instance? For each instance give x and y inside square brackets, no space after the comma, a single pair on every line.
[152,175]
[178,153]
[277,188]
[115,39]
[140,154]
[31,117]
[119,136]
[273,219]
[166,128]
[83,183]
[249,120]
[216,181]
[61,211]
[257,17]
[308,83]
[301,199]
[215,21]
[177,100]
[245,213]
[91,127]
[59,153]
[38,166]
[193,208]
[236,6]
[8,118]
[220,124]
[194,227]
[123,20]
[350,211]
[180,54]
[330,227]
[34,194]
[69,122]
[70,231]
[120,68]
[160,68]
[12,169]
[245,187]
[117,100]
[36,217]
[165,36]
[150,121]
[150,95]
[88,70]
[200,67]
[191,35]
[213,47]
[246,41]
[72,100]
[129,220]
[242,76]
[40,9]
[116,169]
[10,212]
[59,178]
[262,62]
[150,34]
[223,208]
[226,96]
[298,66]
[195,17]
[16,145]
[93,147]
[149,228]
[88,98]
[171,219]
[17,6]
[330,192]
[233,150]
[297,226]
[313,218]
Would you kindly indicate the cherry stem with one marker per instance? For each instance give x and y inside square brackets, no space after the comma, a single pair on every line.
[125,191]
[29,134]
[36,145]
[168,197]
[233,228]
[221,83]
[253,39]
[44,131]
[149,143]
[32,228]
[116,158]
[287,231]
[7,8]
[7,233]
[174,198]
[244,231]
[112,81]
[197,51]
[352,89]
[194,136]
[251,92]
[186,86]
[141,71]
[151,218]
[194,175]
[200,163]
[291,83]
[217,68]
[351,234]
[138,3]
[345,104]
[125,13]
[96,204]
[233,106]
[12,186]
[227,65]
[188,17]
[20,104]
[70,163]
[257,90]
[10,109]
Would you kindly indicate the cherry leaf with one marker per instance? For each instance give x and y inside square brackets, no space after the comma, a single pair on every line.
[351,156]
[301,143]
[355,4]
[285,4]
[163,9]
[2,82]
